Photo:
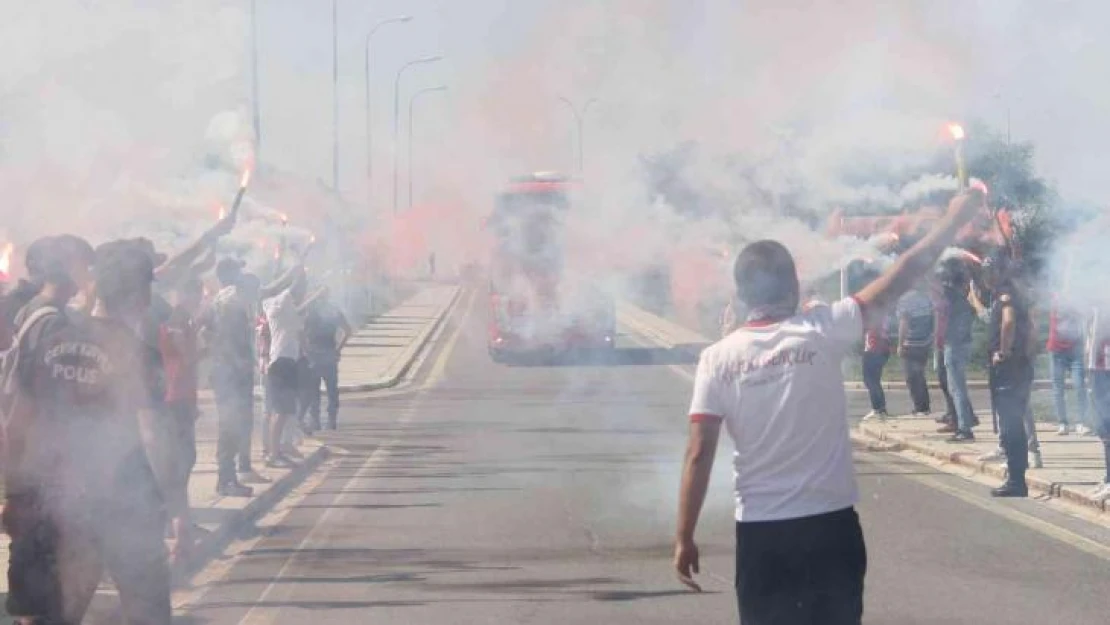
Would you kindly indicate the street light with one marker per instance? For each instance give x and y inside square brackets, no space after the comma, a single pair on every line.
[255,105]
[369,118]
[412,103]
[579,117]
[397,113]
[335,95]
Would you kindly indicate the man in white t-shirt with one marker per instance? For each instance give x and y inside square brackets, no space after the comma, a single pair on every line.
[286,322]
[776,385]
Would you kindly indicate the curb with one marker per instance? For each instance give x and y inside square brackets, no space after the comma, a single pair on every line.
[408,357]
[864,434]
[981,385]
[212,545]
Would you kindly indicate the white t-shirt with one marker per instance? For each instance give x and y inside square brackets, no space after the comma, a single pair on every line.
[780,391]
[286,326]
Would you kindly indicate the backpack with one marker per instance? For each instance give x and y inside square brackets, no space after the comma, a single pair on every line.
[9,360]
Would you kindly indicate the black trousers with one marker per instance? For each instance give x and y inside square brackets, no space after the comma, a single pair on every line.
[806,571]
[1011,384]
[914,361]
[942,378]
[235,411]
[315,373]
[873,363]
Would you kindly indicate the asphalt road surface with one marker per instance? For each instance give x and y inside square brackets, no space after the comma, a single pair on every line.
[546,494]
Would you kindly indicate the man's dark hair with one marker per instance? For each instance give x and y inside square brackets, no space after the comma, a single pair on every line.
[124,270]
[765,275]
[228,271]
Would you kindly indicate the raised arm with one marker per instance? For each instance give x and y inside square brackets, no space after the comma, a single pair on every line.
[882,293]
[180,267]
[282,282]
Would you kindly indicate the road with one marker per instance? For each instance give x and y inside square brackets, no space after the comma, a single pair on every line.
[494,494]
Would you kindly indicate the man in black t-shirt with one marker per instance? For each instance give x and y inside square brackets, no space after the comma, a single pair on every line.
[326,332]
[1011,368]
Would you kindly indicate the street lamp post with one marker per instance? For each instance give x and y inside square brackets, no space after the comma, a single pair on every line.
[255,104]
[412,103]
[397,113]
[369,106]
[335,95]
[579,119]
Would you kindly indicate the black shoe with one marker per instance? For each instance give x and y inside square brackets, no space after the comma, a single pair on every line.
[1010,490]
[234,489]
[974,420]
[961,437]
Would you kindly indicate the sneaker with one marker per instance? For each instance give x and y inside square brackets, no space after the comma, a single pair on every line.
[279,462]
[1010,490]
[998,455]
[1063,430]
[921,413]
[962,437]
[1083,430]
[253,477]
[1035,460]
[1102,493]
[947,428]
[234,489]
[875,415]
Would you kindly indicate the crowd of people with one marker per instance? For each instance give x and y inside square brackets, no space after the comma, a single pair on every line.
[105,350]
[938,317]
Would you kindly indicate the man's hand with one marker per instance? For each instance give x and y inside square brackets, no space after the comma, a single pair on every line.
[686,563]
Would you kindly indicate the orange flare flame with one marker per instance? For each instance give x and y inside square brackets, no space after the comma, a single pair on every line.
[284,219]
[6,259]
[221,212]
[246,177]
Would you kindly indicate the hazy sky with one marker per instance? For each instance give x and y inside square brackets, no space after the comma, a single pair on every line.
[92,94]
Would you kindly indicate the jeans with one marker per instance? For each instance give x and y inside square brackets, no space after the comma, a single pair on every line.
[942,379]
[914,361]
[873,363]
[1011,383]
[956,357]
[1100,400]
[328,372]
[1063,363]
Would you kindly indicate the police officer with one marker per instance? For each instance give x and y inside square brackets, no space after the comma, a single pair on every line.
[1011,367]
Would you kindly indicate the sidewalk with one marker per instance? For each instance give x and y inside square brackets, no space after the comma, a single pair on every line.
[1073,465]
[380,353]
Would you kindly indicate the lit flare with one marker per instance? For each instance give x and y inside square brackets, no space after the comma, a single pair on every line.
[957,131]
[6,260]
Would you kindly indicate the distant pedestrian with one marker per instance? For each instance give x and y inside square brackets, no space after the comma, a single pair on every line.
[229,338]
[876,353]
[1098,362]
[181,352]
[940,309]
[1065,344]
[956,344]
[284,373]
[916,325]
[326,333]
[776,385]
